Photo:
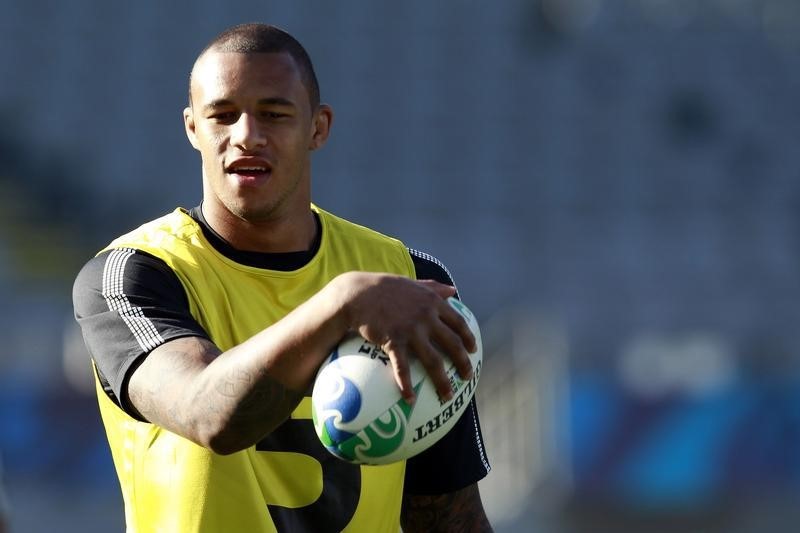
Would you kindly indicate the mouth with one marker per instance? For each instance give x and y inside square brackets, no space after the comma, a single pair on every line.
[250,170]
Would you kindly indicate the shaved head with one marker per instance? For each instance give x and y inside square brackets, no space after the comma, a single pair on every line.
[264,39]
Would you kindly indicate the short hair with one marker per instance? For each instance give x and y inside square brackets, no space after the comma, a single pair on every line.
[254,38]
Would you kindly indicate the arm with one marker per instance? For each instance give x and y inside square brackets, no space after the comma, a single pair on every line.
[228,401]
[441,491]
[460,511]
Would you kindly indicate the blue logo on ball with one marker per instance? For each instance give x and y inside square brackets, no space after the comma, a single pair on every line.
[341,405]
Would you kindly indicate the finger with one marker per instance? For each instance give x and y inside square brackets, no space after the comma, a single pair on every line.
[433,362]
[442,289]
[458,324]
[452,346]
[401,370]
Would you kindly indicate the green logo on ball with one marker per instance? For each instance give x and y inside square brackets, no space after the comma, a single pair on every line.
[379,439]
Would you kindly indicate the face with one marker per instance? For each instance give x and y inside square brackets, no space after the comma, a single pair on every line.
[253,125]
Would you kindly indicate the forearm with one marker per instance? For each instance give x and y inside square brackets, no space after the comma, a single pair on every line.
[229,400]
[458,512]
[225,406]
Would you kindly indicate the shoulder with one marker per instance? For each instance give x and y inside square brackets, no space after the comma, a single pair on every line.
[350,246]
[161,234]
[341,226]
[119,270]
[428,266]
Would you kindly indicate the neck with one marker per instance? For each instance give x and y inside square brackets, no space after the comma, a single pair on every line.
[275,235]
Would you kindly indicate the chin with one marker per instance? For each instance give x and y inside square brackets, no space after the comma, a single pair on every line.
[252,213]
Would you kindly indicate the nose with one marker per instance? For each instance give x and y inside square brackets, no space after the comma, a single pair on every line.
[246,133]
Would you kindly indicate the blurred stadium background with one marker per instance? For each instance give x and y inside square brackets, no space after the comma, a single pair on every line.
[613,183]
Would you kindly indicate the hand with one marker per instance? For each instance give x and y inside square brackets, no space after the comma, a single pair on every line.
[409,318]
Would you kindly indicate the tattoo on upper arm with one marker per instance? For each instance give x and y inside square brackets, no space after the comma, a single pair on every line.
[457,511]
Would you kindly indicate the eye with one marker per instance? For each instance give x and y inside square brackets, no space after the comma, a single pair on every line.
[225,117]
[273,115]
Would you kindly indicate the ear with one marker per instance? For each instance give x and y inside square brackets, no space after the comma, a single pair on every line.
[321,126]
[189,126]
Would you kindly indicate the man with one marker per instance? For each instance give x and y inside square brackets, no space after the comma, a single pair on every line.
[206,328]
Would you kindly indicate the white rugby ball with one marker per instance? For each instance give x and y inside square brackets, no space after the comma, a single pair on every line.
[359,414]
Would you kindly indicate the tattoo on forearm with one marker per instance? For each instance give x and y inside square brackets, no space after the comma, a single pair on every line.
[263,401]
[232,385]
[246,405]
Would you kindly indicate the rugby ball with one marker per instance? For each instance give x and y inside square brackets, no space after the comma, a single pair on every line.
[359,414]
